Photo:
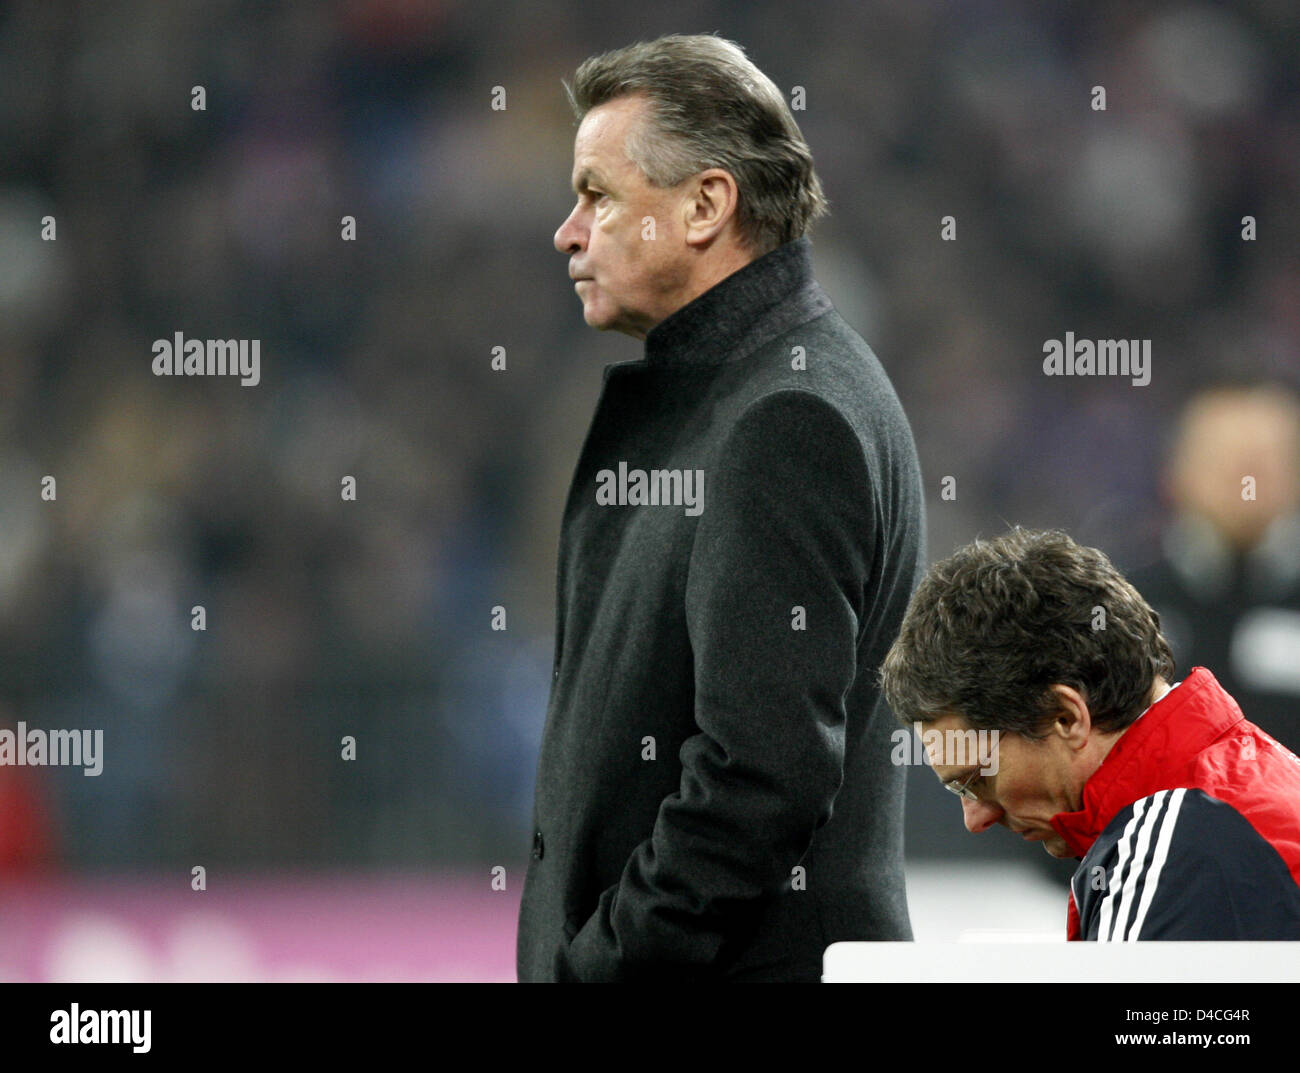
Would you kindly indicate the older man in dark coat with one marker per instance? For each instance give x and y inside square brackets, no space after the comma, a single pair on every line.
[715,795]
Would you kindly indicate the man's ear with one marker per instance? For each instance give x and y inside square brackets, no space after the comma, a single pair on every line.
[713,201]
[1073,720]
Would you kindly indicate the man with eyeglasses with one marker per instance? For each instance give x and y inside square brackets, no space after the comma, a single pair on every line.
[1184,815]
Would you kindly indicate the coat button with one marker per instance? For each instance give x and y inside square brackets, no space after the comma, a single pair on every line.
[538,848]
[555,675]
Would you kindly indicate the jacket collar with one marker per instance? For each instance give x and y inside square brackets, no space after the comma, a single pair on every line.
[1154,753]
[766,297]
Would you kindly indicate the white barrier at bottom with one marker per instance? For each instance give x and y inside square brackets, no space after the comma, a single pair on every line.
[1061,962]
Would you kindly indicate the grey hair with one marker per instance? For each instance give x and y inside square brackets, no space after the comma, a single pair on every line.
[711,108]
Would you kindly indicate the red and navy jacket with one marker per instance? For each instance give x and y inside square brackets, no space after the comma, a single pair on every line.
[1190,829]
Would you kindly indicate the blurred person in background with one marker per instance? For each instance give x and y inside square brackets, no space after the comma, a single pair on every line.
[715,797]
[1228,585]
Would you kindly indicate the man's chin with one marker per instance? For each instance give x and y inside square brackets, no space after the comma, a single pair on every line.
[1057,848]
[612,324]
[595,320]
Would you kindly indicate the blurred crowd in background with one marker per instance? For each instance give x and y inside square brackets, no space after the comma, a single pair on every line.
[327,617]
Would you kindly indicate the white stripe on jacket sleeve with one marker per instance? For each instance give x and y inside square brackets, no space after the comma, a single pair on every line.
[1134,843]
[1158,862]
[1112,883]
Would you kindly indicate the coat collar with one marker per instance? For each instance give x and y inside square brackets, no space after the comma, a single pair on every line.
[1154,753]
[770,295]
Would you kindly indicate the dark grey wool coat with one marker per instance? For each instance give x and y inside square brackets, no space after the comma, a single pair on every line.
[715,797]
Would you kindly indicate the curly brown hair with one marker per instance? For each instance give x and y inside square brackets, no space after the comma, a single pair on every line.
[992,627]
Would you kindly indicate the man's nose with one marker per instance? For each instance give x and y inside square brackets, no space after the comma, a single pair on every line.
[568,238]
[979,815]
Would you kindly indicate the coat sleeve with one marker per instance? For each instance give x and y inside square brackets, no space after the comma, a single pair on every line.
[774,600]
[1189,866]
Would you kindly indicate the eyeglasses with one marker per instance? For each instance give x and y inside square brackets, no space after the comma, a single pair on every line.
[963,790]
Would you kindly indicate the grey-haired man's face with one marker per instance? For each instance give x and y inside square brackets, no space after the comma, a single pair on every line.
[624,237]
